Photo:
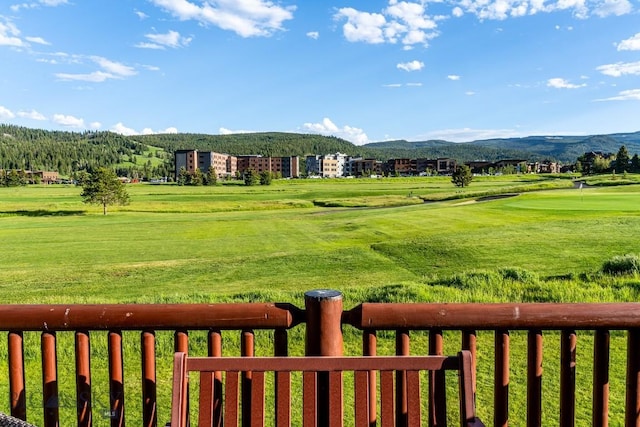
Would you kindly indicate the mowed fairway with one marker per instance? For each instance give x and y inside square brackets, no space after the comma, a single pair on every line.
[179,244]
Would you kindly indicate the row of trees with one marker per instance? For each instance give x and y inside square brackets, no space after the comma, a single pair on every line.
[596,162]
[250,177]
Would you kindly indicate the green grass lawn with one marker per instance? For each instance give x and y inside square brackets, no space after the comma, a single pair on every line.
[202,243]
[372,239]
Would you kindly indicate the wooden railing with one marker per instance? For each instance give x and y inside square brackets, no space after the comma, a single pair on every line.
[324,318]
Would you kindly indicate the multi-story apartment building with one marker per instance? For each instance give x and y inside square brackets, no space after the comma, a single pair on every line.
[365,167]
[226,165]
[327,166]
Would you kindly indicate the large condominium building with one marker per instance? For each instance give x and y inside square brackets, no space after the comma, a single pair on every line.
[190,160]
[327,166]
[226,165]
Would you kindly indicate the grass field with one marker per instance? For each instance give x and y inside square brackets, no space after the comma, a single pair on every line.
[404,239]
[205,243]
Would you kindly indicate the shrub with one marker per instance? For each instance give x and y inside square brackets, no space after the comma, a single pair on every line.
[620,265]
[518,275]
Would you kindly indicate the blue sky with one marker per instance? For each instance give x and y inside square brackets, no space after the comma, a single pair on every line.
[364,71]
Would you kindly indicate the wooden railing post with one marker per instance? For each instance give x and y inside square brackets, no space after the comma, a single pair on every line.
[324,338]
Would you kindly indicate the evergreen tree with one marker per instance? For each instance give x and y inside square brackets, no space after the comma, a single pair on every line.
[104,188]
[251,177]
[266,178]
[622,159]
[212,176]
[635,163]
[462,176]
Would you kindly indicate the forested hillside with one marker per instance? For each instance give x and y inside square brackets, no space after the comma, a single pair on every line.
[152,155]
[274,144]
[65,152]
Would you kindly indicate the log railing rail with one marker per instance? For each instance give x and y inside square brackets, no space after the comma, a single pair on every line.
[323,318]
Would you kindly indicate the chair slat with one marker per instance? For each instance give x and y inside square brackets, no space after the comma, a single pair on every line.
[309,385]
[361,398]
[387,401]
[232,381]
[206,399]
[413,398]
[283,399]
[257,399]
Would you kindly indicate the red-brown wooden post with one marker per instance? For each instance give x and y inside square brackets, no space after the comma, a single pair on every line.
[501,379]
[437,386]
[370,348]
[632,405]
[600,416]
[116,378]
[16,376]
[149,404]
[403,344]
[469,341]
[83,379]
[215,350]
[534,378]
[324,338]
[568,345]
[49,379]
[282,380]
[247,349]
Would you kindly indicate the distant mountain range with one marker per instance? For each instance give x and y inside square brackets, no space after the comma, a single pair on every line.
[561,148]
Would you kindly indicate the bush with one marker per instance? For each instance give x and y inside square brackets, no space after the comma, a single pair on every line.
[518,275]
[620,265]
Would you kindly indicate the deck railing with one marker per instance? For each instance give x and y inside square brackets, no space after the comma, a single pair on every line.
[323,319]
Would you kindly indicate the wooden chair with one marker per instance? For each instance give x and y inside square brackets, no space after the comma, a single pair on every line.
[322,394]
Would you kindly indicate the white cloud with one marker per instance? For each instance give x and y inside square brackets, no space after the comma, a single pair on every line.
[95,125]
[467,134]
[313,35]
[453,77]
[247,18]
[95,77]
[625,95]
[69,121]
[503,9]
[9,35]
[349,133]
[5,113]
[172,39]
[404,21]
[620,69]
[115,68]
[149,131]
[560,83]
[33,115]
[123,130]
[457,12]
[632,43]
[393,85]
[225,131]
[363,26]
[141,15]
[613,7]
[33,5]
[411,66]
[54,2]
[414,84]
[110,70]
[38,40]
